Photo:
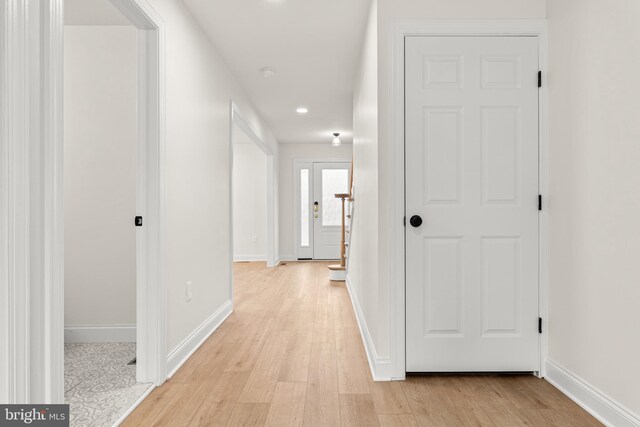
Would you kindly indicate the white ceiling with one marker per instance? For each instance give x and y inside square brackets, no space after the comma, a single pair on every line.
[314,47]
[92,12]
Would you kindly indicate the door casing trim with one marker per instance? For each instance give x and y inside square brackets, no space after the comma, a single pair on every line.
[151,313]
[31,343]
[400,29]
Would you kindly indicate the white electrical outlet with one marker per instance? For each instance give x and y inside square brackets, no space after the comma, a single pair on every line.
[254,239]
[189,294]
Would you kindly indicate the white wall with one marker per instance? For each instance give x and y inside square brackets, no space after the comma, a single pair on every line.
[100,90]
[249,200]
[364,253]
[200,88]
[289,153]
[594,197]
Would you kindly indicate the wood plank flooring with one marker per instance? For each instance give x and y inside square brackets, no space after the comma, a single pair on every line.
[291,355]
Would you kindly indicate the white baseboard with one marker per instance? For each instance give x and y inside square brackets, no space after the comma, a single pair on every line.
[606,410]
[381,367]
[86,334]
[249,258]
[287,258]
[186,348]
[134,406]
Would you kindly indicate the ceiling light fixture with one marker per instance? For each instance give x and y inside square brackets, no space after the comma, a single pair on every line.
[267,72]
[302,110]
[336,140]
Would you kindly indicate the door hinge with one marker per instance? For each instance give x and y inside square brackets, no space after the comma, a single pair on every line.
[539,325]
[138,221]
[404,221]
[539,78]
[539,202]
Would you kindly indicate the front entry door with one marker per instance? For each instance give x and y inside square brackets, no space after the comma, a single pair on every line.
[329,179]
[472,177]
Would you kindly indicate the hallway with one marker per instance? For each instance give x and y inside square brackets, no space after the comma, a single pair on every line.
[291,354]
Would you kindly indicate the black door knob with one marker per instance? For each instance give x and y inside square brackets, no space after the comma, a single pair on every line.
[415,221]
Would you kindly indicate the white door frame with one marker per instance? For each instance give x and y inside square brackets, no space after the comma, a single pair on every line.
[240,120]
[400,29]
[31,126]
[31,334]
[297,165]
[151,191]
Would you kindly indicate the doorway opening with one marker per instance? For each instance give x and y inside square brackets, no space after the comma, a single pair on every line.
[251,196]
[249,185]
[113,208]
[101,268]
[317,211]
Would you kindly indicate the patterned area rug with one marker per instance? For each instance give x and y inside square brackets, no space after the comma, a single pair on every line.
[99,385]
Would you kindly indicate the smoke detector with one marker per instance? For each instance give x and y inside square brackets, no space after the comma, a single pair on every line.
[267,72]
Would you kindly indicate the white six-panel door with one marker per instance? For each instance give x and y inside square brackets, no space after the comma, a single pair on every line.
[472,176]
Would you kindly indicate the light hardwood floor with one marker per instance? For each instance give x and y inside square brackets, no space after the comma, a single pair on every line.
[291,355]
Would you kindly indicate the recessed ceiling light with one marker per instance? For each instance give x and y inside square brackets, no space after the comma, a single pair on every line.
[267,72]
[302,110]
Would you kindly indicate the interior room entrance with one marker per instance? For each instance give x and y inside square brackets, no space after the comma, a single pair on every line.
[100,206]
